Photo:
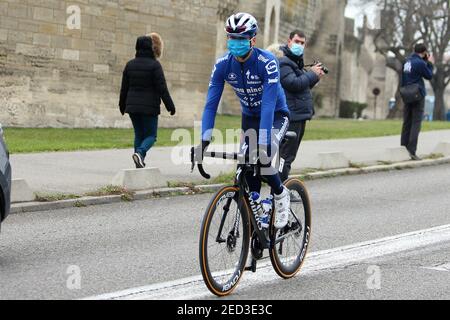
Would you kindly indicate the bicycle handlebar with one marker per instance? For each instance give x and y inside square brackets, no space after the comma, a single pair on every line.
[226,156]
[221,155]
[203,172]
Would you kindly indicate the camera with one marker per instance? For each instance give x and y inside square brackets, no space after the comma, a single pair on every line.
[324,69]
[320,64]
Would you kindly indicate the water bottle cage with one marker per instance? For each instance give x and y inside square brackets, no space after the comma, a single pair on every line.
[263,222]
[262,210]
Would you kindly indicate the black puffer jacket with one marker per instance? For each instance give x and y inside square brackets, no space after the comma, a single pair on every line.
[143,83]
[297,84]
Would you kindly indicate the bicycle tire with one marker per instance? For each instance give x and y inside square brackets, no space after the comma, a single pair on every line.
[232,277]
[284,270]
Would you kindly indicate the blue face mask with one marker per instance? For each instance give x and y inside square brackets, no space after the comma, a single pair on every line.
[239,47]
[297,49]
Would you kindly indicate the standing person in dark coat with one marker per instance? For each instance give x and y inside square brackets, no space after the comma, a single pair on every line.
[143,87]
[417,67]
[297,83]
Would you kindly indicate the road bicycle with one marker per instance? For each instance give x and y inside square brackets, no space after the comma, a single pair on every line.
[231,228]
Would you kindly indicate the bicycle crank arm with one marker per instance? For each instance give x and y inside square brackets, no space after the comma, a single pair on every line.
[280,239]
[252,267]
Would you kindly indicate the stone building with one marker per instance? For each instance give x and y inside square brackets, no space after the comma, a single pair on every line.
[365,70]
[52,74]
[56,73]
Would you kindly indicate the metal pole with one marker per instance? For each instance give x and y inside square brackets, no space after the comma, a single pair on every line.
[375,108]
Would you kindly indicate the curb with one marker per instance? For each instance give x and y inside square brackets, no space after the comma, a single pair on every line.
[373,169]
[169,192]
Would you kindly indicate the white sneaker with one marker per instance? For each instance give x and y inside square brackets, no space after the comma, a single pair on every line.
[137,158]
[282,209]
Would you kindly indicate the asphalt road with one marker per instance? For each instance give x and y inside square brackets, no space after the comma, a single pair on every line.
[127,245]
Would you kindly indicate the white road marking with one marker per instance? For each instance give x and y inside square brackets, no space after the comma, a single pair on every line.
[194,287]
[441,267]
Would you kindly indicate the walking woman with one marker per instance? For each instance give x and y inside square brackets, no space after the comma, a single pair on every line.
[143,87]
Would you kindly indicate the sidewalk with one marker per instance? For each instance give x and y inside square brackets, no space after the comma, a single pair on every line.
[81,172]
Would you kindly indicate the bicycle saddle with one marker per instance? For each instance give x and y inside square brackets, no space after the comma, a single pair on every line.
[290,135]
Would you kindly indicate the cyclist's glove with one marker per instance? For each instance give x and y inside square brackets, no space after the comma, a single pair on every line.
[199,151]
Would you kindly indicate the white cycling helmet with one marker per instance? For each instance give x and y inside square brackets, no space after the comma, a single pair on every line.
[242,25]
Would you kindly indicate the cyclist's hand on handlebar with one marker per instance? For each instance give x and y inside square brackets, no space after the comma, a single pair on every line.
[199,151]
[197,155]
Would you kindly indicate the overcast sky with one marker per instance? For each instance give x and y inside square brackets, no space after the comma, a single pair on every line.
[356,9]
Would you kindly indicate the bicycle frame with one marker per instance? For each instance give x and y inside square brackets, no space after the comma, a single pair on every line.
[244,195]
[244,198]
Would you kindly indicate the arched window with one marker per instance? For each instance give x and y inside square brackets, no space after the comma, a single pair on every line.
[272,22]
[272,35]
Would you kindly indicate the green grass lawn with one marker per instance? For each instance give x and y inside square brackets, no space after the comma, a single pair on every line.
[27,140]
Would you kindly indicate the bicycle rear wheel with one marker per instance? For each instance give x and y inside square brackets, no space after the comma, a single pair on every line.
[224,242]
[290,244]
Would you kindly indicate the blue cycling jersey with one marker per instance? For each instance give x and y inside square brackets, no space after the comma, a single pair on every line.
[257,85]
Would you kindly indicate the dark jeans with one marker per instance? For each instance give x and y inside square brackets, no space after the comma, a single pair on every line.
[145,132]
[271,174]
[412,124]
[289,149]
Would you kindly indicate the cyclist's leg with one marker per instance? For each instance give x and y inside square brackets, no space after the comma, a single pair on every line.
[250,128]
[280,127]
[282,194]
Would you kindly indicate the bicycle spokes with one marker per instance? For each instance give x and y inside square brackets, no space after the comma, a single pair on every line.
[224,244]
[291,243]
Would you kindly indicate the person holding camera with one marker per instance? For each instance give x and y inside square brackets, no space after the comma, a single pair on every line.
[297,83]
[417,67]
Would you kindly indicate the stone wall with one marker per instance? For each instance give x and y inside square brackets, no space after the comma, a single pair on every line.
[53,76]
[303,15]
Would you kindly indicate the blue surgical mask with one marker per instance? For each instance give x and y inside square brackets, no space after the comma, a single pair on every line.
[239,47]
[297,49]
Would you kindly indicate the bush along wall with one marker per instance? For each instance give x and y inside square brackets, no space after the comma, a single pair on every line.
[348,109]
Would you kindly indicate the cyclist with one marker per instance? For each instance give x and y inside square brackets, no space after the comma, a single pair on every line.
[254,75]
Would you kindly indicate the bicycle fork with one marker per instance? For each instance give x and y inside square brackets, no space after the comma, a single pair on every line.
[234,233]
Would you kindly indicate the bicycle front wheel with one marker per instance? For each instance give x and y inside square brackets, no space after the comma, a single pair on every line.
[290,244]
[224,242]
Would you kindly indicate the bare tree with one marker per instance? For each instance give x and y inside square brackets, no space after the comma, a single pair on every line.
[405,23]
[434,22]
